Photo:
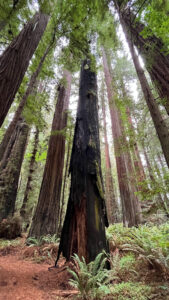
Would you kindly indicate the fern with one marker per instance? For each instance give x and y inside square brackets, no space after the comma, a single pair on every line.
[90,279]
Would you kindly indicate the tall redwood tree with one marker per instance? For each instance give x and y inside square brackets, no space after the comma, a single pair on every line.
[83,231]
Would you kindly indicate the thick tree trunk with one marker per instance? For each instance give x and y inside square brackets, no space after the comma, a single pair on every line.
[15,60]
[46,217]
[30,175]
[153,53]
[9,177]
[130,218]
[29,90]
[111,202]
[159,123]
[83,231]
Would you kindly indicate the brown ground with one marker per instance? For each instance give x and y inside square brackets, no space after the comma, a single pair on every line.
[22,278]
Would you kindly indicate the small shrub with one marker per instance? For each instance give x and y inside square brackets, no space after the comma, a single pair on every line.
[10,228]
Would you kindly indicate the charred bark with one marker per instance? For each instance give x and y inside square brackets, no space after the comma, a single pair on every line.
[46,217]
[30,175]
[83,231]
[9,177]
[15,60]
[29,90]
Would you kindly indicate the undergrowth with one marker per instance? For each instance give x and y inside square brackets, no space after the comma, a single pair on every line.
[149,243]
[137,256]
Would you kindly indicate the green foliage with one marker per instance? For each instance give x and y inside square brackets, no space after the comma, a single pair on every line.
[150,243]
[130,291]
[90,279]
[48,239]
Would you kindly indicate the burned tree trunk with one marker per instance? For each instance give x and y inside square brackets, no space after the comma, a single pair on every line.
[30,174]
[83,231]
[111,202]
[15,60]
[46,217]
[130,217]
[152,51]
[9,177]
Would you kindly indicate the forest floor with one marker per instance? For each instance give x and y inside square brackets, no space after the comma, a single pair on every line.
[24,275]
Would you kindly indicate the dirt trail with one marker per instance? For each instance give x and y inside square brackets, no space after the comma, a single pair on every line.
[23,279]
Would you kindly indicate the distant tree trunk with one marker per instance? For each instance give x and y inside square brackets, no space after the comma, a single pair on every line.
[61,217]
[153,52]
[83,231]
[137,159]
[29,90]
[15,60]
[9,177]
[159,124]
[46,218]
[111,202]
[30,174]
[127,198]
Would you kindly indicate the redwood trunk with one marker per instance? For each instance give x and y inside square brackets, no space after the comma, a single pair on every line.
[153,53]
[29,90]
[130,218]
[159,124]
[30,174]
[83,231]
[9,177]
[61,217]
[15,60]
[111,202]
[46,217]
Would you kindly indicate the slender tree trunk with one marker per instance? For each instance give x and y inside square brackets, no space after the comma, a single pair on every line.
[46,217]
[159,124]
[9,177]
[152,51]
[127,198]
[111,202]
[137,159]
[61,217]
[30,175]
[15,60]
[29,90]
[83,231]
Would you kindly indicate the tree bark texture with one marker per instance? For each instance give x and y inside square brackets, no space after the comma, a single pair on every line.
[152,51]
[9,177]
[66,174]
[159,124]
[46,217]
[83,231]
[29,90]
[30,175]
[111,202]
[130,217]
[15,60]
